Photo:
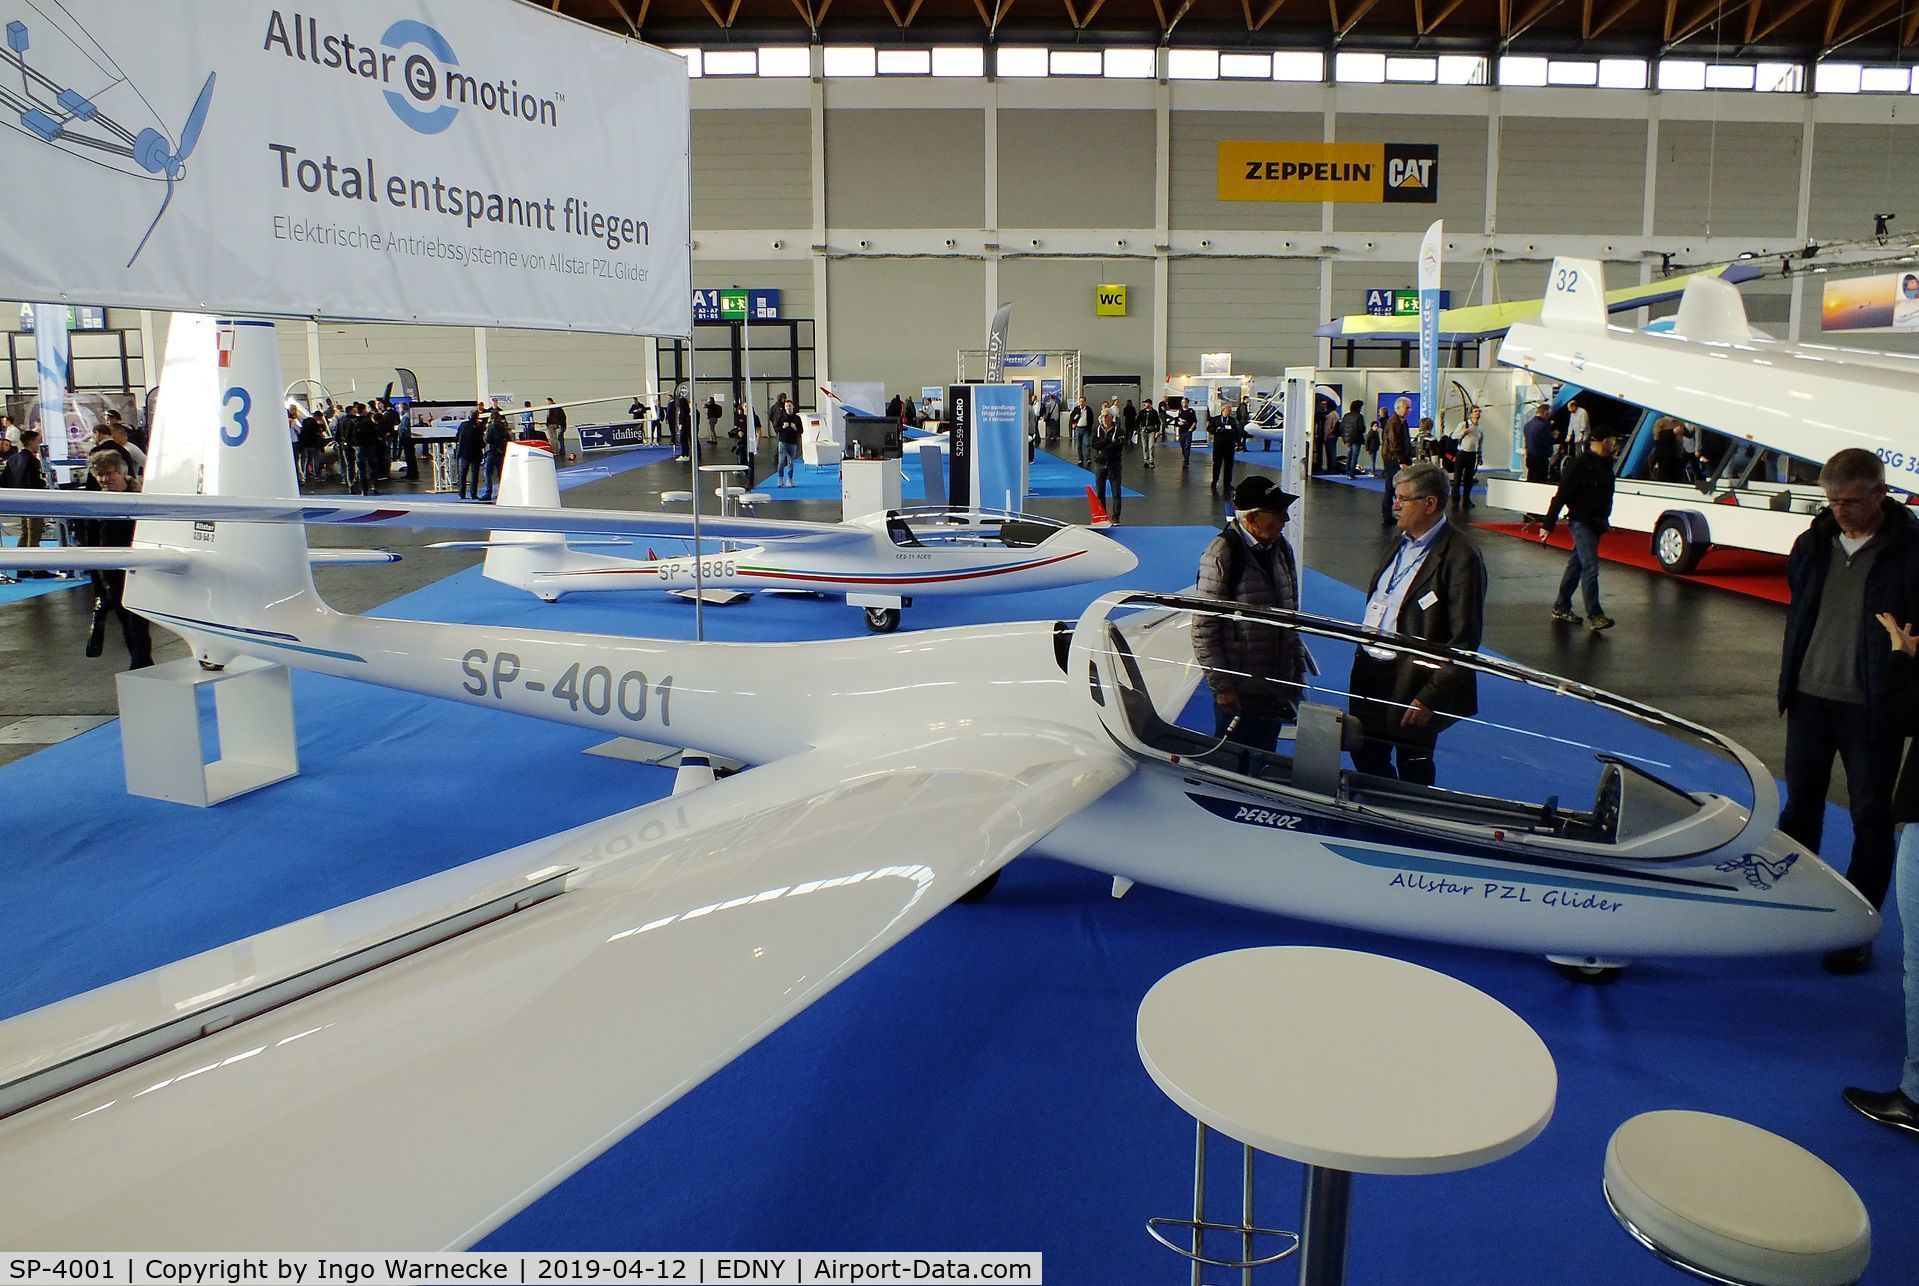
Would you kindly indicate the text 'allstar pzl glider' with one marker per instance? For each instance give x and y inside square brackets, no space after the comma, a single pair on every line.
[600,974]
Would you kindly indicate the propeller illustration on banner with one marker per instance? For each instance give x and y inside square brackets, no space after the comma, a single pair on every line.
[157,156]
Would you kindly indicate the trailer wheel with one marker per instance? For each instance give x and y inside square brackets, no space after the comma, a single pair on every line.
[1673,545]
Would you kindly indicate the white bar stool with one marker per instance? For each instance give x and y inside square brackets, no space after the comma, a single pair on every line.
[1732,1203]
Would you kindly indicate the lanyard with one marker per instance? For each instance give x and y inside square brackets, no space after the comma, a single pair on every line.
[1393,575]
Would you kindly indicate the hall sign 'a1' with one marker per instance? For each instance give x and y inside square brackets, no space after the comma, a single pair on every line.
[1400,303]
[734,304]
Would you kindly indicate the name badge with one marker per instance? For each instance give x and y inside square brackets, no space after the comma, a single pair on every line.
[1427,599]
[1376,621]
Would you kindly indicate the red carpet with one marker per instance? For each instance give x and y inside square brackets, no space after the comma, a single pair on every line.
[1744,571]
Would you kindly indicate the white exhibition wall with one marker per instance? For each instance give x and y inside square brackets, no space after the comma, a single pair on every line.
[1115,181]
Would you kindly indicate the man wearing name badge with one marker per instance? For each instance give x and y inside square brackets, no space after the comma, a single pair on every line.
[1431,588]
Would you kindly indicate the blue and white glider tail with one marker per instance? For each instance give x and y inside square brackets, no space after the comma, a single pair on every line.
[219,431]
[1575,295]
[529,479]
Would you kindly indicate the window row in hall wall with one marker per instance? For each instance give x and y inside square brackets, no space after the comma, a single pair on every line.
[1304,66]
[1080,168]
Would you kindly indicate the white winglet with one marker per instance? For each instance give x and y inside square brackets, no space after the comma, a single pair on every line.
[1711,311]
[1575,295]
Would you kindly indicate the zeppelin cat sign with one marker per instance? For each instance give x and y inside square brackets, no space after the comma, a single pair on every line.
[1346,172]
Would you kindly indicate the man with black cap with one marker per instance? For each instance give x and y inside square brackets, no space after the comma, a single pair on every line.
[1431,588]
[1253,669]
[1585,493]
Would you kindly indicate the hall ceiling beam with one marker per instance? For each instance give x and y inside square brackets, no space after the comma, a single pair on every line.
[1779,19]
[632,23]
[1525,21]
[1091,13]
[1708,13]
[1452,7]
[1352,19]
[1072,15]
[1833,10]
[1865,21]
[1605,24]
[713,13]
[1911,31]
[1174,22]
[1672,13]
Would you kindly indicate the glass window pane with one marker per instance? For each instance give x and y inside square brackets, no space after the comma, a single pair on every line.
[905,62]
[1076,62]
[1192,64]
[849,60]
[1299,65]
[731,62]
[1422,70]
[959,60]
[1682,73]
[1129,64]
[1246,66]
[693,60]
[1367,69]
[1522,71]
[1622,73]
[1728,76]
[1885,80]
[784,60]
[1021,60]
[1462,69]
[1559,72]
[1779,78]
[1836,78]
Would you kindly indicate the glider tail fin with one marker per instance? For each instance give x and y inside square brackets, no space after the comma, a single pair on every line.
[1100,518]
[529,479]
[220,430]
[1575,295]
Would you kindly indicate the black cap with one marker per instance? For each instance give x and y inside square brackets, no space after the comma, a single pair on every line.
[1256,491]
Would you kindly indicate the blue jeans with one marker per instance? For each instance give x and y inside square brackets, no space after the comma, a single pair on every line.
[1582,569]
[1906,882]
[789,457]
[1083,443]
[1352,459]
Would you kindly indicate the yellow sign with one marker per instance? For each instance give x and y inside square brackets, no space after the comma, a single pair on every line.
[1109,301]
[1347,172]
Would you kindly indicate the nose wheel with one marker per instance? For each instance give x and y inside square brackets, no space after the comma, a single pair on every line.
[882,620]
[1594,971]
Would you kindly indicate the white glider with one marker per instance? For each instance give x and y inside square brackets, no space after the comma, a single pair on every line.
[879,563]
[413,1070]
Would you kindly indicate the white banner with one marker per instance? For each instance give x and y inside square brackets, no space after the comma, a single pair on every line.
[468,162]
[1429,254]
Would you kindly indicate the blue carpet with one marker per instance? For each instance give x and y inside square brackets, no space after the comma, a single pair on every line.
[978,1087]
[1050,477]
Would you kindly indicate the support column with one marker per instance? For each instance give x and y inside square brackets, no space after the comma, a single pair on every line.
[312,329]
[149,352]
[1328,133]
[481,379]
[991,185]
[1488,288]
[1162,222]
[1650,205]
[1802,226]
[816,113]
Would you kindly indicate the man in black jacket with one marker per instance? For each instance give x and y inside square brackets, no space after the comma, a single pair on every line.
[23,472]
[469,454]
[1431,588]
[1585,493]
[1859,558]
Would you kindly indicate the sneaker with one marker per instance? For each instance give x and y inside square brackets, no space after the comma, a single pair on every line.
[1570,617]
[1599,623]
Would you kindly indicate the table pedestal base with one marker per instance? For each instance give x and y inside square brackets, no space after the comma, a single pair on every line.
[1322,1226]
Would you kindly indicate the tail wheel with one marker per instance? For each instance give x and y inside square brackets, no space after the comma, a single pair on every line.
[979,891]
[882,620]
[1675,548]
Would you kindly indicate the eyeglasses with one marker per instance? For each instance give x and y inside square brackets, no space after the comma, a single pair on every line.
[1399,499]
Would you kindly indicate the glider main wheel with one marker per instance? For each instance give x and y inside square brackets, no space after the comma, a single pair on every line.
[1590,970]
[882,620]
[979,891]
[1676,551]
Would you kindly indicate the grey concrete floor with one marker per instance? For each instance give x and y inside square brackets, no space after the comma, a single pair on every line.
[1705,654]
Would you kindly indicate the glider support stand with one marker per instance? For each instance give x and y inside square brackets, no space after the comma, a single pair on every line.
[160,723]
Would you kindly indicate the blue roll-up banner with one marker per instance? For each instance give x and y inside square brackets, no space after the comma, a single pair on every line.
[1429,305]
[51,357]
[986,453]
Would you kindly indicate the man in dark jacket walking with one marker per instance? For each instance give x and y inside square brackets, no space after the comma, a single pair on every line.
[1253,668]
[1585,493]
[1395,452]
[1432,588]
[1537,436]
[1352,428]
[1859,558]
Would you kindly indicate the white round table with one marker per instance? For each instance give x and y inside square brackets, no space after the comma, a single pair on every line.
[1349,1063]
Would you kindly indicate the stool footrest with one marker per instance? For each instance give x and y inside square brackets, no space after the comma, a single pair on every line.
[1204,1226]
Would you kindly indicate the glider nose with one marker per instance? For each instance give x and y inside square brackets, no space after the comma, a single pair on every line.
[1110,558]
[1847,919]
